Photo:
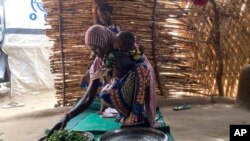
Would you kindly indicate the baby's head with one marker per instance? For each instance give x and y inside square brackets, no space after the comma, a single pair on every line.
[125,41]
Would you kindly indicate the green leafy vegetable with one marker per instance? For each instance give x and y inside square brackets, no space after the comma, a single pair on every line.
[64,135]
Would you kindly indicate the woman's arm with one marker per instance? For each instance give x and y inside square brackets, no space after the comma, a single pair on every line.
[86,101]
[80,106]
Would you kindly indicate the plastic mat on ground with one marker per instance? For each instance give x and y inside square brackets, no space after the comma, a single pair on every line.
[92,122]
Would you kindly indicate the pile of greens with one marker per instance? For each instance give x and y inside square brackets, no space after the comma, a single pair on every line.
[64,135]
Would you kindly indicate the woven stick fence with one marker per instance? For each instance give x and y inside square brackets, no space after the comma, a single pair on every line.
[178,40]
[68,20]
[234,29]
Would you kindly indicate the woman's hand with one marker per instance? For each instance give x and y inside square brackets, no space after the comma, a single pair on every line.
[60,125]
[80,106]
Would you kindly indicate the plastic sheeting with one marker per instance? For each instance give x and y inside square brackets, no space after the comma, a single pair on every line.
[27,47]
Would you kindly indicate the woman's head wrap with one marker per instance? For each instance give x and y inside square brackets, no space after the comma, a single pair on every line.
[99,36]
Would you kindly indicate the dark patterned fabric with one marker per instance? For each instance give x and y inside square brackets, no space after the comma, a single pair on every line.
[127,95]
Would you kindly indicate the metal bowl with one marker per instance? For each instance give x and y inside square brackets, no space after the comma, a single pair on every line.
[134,134]
[90,135]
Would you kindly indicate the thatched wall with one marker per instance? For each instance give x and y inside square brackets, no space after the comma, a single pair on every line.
[68,20]
[178,41]
[235,42]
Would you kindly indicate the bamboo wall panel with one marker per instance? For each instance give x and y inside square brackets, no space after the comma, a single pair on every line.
[178,38]
[73,18]
[235,37]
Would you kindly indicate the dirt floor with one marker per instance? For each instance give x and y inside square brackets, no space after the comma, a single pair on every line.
[28,103]
[203,122]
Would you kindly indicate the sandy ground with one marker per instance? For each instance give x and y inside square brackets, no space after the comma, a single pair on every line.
[31,102]
[203,122]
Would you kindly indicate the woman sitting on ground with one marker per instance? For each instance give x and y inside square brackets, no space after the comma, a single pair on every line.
[129,84]
[100,41]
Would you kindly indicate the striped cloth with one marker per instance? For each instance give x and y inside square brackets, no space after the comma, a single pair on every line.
[99,36]
[96,70]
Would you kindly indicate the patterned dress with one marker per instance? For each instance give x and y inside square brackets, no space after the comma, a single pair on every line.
[127,95]
[96,72]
